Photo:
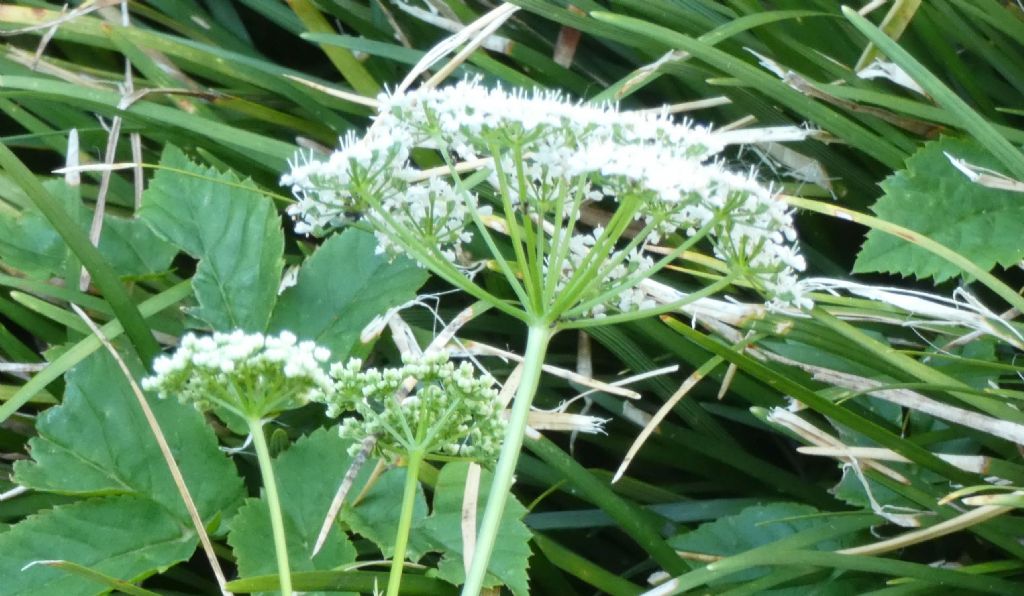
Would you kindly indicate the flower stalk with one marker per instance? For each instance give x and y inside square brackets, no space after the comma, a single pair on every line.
[259,441]
[412,471]
[536,348]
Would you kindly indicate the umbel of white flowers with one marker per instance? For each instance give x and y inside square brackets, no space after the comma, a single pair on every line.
[539,158]
[445,409]
[249,374]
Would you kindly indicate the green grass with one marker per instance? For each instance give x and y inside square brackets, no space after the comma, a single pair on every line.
[221,82]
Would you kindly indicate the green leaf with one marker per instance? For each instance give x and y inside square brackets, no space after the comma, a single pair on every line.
[308,475]
[30,243]
[266,152]
[73,354]
[95,576]
[753,527]
[125,537]
[851,490]
[232,229]
[510,559]
[375,516]
[932,197]
[341,288]
[98,443]
[973,122]
[363,582]
[132,248]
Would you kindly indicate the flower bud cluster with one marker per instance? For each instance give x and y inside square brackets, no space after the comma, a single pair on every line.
[542,147]
[449,410]
[249,374]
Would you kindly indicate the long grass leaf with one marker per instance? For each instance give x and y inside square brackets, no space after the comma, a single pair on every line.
[768,84]
[980,129]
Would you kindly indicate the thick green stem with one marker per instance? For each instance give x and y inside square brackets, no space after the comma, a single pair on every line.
[412,472]
[536,348]
[273,504]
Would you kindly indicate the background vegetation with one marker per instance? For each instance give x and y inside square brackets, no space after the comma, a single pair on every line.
[221,94]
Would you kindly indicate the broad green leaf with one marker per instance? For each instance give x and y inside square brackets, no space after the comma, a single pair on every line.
[968,366]
[755,526]
[510,559]
[810,354]
[308,475]
[132,248]
[341,288]
[87,573]
[125,537]
[98,443]
[232,229]
[932,197]
[104,278]
[375,516]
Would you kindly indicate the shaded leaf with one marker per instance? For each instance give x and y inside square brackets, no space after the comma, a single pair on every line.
[510,559]
[132,248]
[851,490]
[341,288]
[753,527]
[932,197]
[232,229]
[28,242]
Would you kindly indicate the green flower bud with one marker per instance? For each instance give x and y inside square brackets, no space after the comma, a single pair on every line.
[449,410]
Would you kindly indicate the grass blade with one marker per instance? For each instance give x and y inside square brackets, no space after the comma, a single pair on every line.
[102,274]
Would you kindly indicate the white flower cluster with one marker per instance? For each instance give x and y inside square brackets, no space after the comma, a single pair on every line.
[329,192]
[614,271]
[433,210]
[544,147]
[249,374]
[460,115]
[450,410]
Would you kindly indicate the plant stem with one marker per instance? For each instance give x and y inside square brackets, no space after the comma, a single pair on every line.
[536,349]
[273,504]
[412,472]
